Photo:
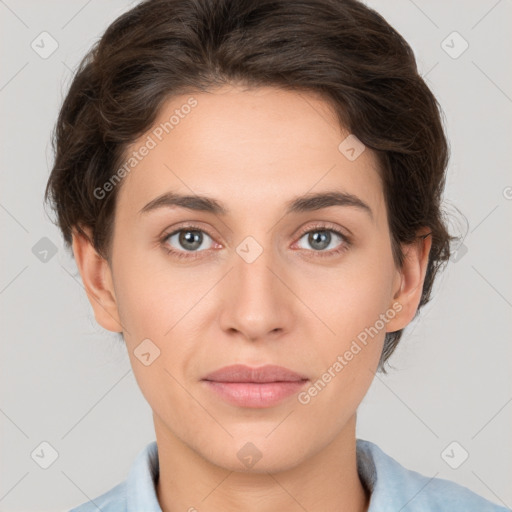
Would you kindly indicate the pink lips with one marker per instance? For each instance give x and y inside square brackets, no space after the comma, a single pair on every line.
[259,387]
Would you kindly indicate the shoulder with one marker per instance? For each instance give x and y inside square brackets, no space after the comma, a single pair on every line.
[113,500]
[136,493]
[394,487]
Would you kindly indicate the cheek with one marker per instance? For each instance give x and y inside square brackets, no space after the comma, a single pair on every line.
[356,303]
[352,298]
[151,295]
[346,360]
[154,304]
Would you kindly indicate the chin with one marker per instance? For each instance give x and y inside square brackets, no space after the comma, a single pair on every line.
[256,456]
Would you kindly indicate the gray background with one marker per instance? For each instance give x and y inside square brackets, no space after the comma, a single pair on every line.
[66,381]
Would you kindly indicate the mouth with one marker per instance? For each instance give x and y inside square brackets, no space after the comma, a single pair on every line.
[260,387]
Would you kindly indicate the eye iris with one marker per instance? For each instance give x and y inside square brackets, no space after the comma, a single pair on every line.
[190,237]
[323,236]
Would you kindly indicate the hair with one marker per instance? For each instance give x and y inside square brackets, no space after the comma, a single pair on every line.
[341,50]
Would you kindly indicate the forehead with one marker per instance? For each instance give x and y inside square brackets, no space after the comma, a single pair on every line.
[248,147]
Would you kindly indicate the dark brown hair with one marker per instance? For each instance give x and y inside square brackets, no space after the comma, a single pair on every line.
[340,49]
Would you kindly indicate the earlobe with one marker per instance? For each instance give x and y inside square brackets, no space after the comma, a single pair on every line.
[97,279]
[412,277]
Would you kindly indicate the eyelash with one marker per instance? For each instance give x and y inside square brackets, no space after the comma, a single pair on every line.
[345,244]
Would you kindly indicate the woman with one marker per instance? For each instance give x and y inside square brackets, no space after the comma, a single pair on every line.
[252,193]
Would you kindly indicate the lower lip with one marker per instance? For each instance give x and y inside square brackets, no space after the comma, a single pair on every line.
[257,395]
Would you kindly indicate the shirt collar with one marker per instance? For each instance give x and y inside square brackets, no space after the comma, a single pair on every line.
[141,481]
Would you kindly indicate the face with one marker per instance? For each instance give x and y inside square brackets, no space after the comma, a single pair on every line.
[265,279]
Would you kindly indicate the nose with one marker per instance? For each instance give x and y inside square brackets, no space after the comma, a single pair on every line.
[257,301]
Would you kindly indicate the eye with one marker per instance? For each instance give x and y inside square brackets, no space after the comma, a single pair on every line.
[321,238]
[187,239]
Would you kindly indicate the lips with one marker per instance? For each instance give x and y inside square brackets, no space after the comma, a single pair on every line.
[261,387]
[261,374]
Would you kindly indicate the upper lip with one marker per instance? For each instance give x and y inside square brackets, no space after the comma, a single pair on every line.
[243,373]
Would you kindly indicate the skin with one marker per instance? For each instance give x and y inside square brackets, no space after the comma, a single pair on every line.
[252,150]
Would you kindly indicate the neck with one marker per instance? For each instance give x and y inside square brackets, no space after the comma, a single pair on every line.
[327,481]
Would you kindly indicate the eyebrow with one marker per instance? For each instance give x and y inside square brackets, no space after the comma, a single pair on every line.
[304,203]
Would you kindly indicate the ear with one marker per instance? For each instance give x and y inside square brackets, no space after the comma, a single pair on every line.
[97,279]
[410,279]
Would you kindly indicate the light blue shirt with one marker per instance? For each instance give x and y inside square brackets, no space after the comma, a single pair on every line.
[393,488]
